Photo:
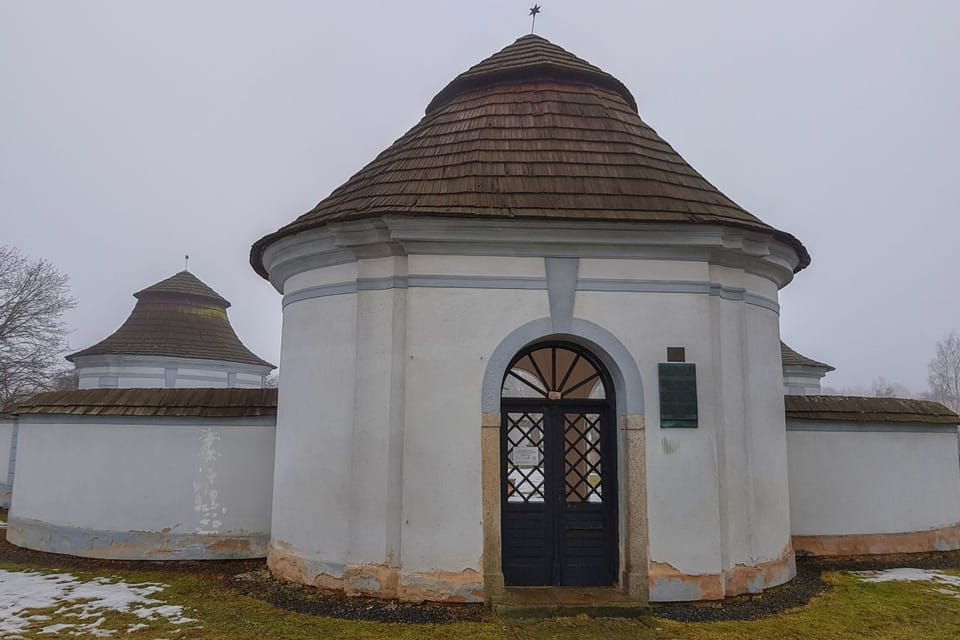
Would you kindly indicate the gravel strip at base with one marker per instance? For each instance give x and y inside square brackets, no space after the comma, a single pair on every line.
[310,600]
[801,589]
[771,602]
[251,578]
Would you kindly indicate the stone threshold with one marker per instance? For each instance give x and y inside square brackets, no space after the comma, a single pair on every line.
[553,602]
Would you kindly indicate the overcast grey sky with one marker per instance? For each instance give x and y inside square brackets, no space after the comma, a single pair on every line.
[133,132]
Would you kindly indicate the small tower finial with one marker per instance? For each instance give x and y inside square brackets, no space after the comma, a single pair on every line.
[534,10]
[186,261]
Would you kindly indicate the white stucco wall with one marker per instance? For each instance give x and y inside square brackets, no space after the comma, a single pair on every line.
[378,440]
[450,334]
[717,495]
[862,479]
[6,441]
[159,372]
[315,427]
[681,463]
[802,381]
[144,488]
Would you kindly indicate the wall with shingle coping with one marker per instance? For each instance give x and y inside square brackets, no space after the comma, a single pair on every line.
[872,478]
[143,488]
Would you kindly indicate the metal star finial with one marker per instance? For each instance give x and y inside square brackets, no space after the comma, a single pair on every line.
[534,10]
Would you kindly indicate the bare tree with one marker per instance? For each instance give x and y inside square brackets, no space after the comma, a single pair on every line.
[883,388]
[879,388]
[944,372]
[64,380]
[272,381]
[33,298]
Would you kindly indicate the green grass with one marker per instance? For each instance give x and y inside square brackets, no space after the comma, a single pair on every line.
[222,614]
[851,609]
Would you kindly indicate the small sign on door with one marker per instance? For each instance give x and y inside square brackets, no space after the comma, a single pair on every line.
[525,456]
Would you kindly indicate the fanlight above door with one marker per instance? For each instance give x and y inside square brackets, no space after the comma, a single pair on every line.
[555,372]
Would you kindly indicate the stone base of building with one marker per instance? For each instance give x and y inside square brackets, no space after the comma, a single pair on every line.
[668,584]
[134,545]
[943,539]
[376,580]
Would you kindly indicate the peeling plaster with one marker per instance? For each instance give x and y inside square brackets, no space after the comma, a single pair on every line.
[135,545]
[375,580]
[669,584]
[206,496]
[942,539]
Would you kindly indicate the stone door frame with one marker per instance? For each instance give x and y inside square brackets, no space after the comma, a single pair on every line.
[631,448]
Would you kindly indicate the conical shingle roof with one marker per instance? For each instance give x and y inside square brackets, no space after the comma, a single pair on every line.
[789,357]
[184,283]
[178,317]
[533,132]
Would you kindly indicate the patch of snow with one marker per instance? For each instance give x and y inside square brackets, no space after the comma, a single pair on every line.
[23,591]
[946,583]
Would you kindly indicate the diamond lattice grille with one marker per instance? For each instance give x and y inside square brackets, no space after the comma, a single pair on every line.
[582,471]
[525,473]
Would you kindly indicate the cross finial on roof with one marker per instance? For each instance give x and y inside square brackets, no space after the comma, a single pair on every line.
[534,10]
[186,261]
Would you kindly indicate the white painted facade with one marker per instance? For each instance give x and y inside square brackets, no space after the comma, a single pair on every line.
[379,457]
[396,338]
[122,371]
[143,488]
[866,478]
[380,474]
[7,453]
[799,380]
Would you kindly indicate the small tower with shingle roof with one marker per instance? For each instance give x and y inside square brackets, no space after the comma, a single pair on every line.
[801,375]
[178,335]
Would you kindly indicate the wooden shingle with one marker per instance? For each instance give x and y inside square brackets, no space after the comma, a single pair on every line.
[856,409]
[178,317]
[789,357]
[536,133]
[208,403]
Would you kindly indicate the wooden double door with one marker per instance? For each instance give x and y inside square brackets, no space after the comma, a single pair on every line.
[558,492]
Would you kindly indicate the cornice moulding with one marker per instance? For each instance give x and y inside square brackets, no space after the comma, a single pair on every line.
[340,243]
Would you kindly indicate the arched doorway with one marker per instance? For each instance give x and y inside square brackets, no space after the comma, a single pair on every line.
[558,459]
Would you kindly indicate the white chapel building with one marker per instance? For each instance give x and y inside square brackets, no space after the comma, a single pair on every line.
[526,345]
